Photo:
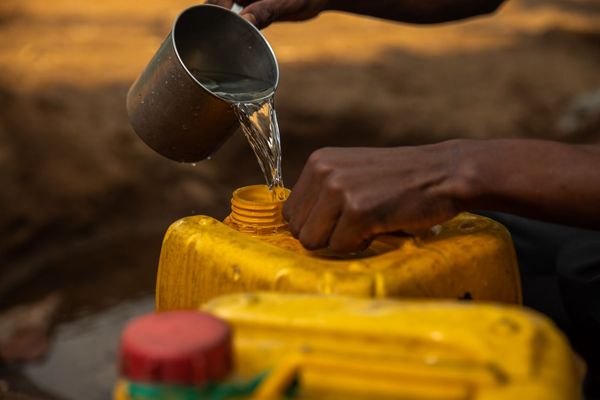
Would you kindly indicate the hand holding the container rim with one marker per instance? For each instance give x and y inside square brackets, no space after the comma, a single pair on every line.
[264,12]
[347,196]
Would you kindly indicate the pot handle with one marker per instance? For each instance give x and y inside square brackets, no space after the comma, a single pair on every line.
[236,8]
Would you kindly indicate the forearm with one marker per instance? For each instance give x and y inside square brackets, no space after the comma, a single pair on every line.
[417,11]
[533,178]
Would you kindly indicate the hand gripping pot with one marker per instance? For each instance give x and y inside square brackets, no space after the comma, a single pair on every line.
[169,109]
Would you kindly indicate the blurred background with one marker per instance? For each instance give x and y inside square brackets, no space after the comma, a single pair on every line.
[84,203]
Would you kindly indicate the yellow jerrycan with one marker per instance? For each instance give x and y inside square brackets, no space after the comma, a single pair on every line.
[336,347]
[469,257]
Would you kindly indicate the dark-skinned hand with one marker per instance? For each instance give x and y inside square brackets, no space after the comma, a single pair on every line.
[264,12]
[346,196]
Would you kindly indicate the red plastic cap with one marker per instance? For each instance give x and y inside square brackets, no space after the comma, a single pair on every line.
[185,347]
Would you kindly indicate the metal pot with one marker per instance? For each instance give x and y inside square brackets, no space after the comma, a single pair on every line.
[170,109]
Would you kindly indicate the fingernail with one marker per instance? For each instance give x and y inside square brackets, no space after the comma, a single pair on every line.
[250,18]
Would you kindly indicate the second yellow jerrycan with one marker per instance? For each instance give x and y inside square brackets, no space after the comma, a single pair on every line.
[468,257]
[337,347]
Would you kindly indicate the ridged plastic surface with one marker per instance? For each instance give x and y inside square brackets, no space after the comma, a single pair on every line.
[348,348]
[469,257]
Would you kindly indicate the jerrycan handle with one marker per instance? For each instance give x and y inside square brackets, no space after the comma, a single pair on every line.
[415,380]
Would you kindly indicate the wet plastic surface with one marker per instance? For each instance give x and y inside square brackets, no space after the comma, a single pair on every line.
[469,257]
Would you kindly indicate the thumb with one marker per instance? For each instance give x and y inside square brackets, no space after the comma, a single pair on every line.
[263,13]
[250,18]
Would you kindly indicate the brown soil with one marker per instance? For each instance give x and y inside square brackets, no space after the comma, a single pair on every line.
[84,203]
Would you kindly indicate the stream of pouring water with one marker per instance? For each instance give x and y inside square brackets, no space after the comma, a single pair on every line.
[253,102]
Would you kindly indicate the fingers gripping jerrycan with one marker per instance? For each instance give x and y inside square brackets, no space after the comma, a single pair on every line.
[469,257]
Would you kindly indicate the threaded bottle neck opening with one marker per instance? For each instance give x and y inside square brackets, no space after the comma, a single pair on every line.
[257,209]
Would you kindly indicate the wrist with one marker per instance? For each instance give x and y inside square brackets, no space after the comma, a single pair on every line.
[467,170]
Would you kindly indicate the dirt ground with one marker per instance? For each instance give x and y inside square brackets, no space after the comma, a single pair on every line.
[83,202]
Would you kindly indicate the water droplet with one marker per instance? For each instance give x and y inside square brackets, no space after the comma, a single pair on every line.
[436,230]
[282,280]
[194,164]
[236,274]
[209,158]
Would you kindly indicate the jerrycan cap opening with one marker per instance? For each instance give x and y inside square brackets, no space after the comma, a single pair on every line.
[256,208]
[181,348]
